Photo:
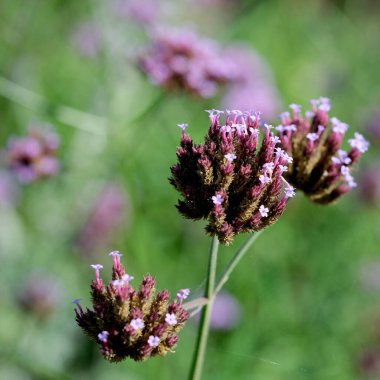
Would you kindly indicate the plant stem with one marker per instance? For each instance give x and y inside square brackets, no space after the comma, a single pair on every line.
[194,304]
[37,103]
[204,323]
[235,260]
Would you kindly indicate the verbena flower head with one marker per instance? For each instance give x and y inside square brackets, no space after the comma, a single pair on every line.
[230,180]
[34,156]
[320,168]
[128,322]
[178,59]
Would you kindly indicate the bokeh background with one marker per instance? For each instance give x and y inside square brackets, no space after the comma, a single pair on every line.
[307,294]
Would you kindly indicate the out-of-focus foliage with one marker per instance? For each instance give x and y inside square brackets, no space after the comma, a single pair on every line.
[307,311]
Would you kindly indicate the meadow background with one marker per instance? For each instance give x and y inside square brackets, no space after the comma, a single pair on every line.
[309,287]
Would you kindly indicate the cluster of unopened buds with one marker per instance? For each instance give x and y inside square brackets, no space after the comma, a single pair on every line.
[34,156]
[231,181]
[126,322]
[320,168]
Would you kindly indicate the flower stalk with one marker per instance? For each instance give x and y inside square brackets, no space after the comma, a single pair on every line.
[204,324]
[234,261]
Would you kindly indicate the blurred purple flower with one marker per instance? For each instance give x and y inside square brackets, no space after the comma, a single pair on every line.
[34,156]
[369,362]
[141,11]
[213,3]
[369,184]
[369,276]
[226,312]
[254,86]
[105,218]
[8,189]
[374,126]
[40,294]
[86,39]
[180,59]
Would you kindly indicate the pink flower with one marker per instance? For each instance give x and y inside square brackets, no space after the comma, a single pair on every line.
[254,87]
[106,215]
[33,156]
[178,59]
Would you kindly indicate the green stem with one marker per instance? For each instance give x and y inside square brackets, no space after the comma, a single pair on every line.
[204,323]
[235,260]
[37,103]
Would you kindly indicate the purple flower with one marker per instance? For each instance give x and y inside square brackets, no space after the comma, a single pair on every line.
[33,157]
[182,294]
[338,126]
[140,11]
[226,312]
[289,191]
[373,126]
[369,184]
[153,341]
[137,324]
[263,211]
[127,278]
[103,336]
[86,39]
[369,276]
[264,179]
[312,136]
[183,126]
[171,319]
[217,199]
[296,108]
[40,294]
[254,85]
[341,158]
[359,143]
[320,168]
[230,157]
[178,59]
[369,362]
[106,215]
[268,167]
[229,193]
[127,322]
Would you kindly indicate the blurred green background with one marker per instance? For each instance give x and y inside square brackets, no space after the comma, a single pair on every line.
[307,309]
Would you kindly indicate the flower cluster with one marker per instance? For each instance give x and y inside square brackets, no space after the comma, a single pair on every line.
[131,323]
[320,168]
[179,59]
[229,180]
[34,156]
